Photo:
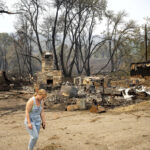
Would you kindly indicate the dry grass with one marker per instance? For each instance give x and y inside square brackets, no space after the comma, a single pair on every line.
[145,105]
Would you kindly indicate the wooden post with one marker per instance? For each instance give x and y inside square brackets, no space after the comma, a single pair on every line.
[103,92]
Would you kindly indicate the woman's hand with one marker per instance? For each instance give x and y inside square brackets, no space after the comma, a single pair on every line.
[43,125]
[29,125]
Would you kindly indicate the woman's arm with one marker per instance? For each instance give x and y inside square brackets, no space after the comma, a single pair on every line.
[29,106]
[43,115]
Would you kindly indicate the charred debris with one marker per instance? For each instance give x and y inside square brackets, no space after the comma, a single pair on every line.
[96,93]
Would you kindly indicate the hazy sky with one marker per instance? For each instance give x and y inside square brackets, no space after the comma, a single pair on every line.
[136,9]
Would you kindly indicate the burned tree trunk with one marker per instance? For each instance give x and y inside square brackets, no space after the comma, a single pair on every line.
[4,82]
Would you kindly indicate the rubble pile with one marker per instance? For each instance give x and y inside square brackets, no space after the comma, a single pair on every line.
[28,89]
[84,92]
[69,91]
[89,92]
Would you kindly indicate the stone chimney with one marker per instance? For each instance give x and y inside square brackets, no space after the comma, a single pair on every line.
[49,77]
[47,62]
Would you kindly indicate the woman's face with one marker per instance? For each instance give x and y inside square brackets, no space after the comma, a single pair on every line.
[40,97]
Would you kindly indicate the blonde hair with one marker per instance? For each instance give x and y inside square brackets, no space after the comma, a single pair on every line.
[41,92]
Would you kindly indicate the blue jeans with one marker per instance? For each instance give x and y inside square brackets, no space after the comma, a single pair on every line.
[34,134]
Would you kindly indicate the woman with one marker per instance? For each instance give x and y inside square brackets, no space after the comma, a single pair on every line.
[34,116]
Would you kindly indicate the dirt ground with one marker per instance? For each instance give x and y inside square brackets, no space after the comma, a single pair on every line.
[124,128]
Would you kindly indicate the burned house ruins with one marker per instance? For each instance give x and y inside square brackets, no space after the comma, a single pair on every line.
[49,77]
[140,70]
